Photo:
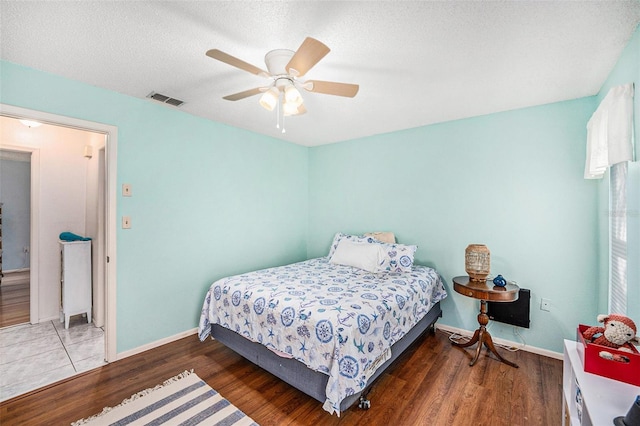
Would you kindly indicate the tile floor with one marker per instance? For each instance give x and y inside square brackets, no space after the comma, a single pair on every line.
[32,356]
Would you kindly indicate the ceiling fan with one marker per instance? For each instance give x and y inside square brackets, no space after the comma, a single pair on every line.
[284,68]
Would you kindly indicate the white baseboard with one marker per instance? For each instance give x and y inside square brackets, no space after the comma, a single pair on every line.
[504,342]
[497,340]
[15,276]
[155,344]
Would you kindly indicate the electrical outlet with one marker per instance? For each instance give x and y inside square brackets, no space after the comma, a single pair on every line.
[126,222]
[545,305]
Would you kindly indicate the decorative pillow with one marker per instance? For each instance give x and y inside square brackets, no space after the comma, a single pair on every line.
[398,257]
[360,255]
[385,237]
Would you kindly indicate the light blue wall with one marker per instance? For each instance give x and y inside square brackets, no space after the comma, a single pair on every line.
[513,181]
[212,200]
[15,190]
[627,70]
[209,200]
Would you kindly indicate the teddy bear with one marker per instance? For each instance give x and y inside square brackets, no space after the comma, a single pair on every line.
[619,332]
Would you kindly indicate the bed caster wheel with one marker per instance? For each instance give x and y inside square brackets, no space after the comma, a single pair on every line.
[364,403]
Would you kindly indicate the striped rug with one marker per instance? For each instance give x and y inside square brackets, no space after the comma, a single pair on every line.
[182,400]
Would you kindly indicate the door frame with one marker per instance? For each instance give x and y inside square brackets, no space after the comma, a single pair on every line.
[111,144]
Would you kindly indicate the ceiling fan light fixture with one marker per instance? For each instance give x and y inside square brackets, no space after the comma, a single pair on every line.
[289,108]
[292,95]
[269,99]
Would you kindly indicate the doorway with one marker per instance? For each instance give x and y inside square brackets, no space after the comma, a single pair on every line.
[15,195]
[101,224]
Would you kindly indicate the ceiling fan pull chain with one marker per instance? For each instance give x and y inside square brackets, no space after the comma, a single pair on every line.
[281,111]
[278,114]
[283,129]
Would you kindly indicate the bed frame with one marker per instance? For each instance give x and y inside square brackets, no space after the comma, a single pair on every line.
[314,383]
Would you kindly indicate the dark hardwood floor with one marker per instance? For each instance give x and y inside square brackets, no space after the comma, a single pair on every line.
[14,304]
[431,384]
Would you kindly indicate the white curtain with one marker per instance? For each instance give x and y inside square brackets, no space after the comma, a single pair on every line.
[610,132]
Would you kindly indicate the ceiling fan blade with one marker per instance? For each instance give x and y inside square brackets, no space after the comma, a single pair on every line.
[331,88]
[307,55]
[245,94]
[235,62]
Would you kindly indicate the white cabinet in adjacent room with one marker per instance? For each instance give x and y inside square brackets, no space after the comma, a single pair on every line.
[75,279]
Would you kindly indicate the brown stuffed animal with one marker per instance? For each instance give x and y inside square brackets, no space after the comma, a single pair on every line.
[619,332]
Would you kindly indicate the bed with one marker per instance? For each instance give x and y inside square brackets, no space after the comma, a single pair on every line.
[323,325]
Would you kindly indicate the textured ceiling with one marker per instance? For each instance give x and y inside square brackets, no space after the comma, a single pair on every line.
[417,63]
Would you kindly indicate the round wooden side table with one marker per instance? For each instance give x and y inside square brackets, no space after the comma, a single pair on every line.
[485,291]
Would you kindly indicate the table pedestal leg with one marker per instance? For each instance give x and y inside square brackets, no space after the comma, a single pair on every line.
[483,338]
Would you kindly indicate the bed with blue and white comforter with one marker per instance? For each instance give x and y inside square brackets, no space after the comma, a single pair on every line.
[335,319]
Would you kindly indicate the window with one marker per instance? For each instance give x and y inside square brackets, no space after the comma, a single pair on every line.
[618,238]
[610,146]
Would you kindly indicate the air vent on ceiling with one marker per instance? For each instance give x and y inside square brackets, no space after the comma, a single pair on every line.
[165,99]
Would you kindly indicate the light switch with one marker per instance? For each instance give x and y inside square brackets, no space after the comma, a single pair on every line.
[126,222]
[126,190]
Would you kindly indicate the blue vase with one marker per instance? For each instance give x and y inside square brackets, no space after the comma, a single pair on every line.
[500,281]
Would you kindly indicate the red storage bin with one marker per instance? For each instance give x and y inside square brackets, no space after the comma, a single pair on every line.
[628,372]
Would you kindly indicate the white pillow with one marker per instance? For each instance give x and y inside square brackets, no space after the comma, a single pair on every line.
[371,238]
[360,255]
